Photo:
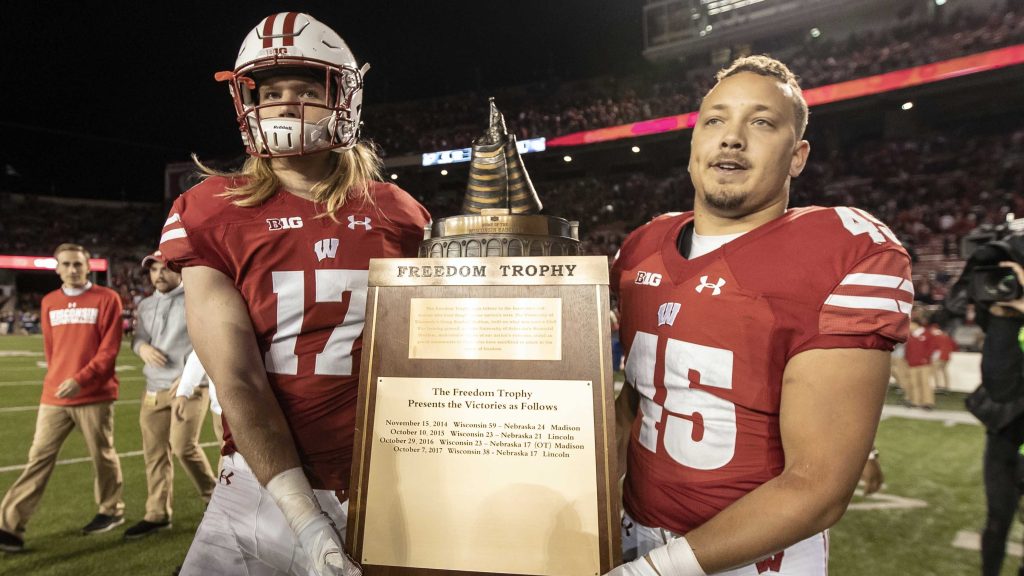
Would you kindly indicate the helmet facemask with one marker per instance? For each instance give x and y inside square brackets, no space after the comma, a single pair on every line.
[270,136]
[295,44]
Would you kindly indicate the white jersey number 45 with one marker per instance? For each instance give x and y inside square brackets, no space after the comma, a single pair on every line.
[860,222]
[697,428]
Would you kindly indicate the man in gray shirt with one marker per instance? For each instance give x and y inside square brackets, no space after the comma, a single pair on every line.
[161,340]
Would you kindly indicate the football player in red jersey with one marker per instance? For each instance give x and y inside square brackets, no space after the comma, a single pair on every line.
[757,341]
[275,262]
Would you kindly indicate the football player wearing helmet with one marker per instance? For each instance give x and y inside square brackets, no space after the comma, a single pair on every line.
[275,259]
[757,341]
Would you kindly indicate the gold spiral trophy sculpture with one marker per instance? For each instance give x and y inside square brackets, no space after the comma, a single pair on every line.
[500,210]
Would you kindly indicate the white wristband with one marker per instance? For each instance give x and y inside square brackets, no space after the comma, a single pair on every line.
[675,559]
[294,496]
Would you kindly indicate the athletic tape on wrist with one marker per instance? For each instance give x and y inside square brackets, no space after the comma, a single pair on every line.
[294,496]
[676,559]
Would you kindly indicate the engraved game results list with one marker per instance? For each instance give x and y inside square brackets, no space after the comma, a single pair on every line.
[505,451]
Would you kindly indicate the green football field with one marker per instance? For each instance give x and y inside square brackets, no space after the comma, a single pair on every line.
[925,522]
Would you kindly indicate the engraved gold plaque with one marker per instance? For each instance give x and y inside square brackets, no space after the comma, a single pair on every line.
[485,328]
[503,467]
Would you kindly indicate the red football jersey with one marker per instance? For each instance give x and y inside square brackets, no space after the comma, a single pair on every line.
[707,341]
[304,280]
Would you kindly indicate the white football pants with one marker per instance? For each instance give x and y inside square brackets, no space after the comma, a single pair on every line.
[805,558]
[244,533]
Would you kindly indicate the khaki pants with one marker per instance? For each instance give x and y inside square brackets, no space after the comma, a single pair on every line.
[941,374]
[162,435]
[899,372]
[53,424]
[920,385]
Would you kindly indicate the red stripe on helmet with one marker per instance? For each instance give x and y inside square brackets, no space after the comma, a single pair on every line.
[289,29]
[268,31]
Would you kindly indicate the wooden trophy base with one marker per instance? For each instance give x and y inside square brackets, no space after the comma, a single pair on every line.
[485,439]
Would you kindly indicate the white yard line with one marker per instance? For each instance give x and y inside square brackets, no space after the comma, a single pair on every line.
[883,501]
[949,417]
[40,382]
[18,467]
[967,540]
[36,406]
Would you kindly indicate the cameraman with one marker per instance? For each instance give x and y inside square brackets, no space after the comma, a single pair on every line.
[1003,382]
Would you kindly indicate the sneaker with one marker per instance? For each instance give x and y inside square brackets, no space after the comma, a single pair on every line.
[145,528]
[102,523]
[11,542]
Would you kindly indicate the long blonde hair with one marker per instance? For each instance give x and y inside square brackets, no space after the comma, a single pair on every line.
[354,170]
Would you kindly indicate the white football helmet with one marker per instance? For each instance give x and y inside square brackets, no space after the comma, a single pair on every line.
[292,40]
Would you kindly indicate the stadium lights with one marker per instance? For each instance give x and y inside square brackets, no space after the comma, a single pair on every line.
[394,176]
[907,106]
[444,172]
[567,158]
[940,2]
[815,33]
[635,149]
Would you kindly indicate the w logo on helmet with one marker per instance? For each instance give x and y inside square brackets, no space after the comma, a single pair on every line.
[365,223]
[717,286]
[326,248]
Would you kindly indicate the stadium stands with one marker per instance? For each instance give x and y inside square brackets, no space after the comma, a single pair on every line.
[556,108]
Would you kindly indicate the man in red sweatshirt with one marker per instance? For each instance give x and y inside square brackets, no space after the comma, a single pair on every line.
[919,361]
[82,336]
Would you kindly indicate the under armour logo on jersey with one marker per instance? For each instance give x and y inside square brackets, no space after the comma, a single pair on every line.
[284,223]
[72,304]
[667,313]
[326,248]
[365,223]
[648,278]
[225,479]
[717,287]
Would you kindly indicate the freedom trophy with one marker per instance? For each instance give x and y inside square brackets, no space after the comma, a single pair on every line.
[485,439]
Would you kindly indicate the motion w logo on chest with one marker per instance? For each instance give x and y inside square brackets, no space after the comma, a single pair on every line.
[326,248]
[667,313]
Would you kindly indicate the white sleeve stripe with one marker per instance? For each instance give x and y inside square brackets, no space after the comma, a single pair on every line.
[881,280]
[868,302]
[173,234]
[176,217]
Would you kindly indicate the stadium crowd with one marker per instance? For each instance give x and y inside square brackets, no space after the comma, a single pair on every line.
[554,108]
[931,189]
